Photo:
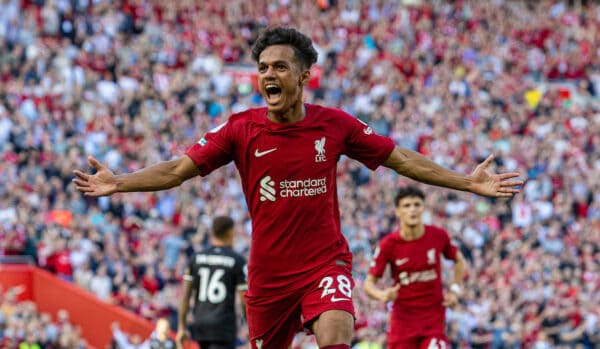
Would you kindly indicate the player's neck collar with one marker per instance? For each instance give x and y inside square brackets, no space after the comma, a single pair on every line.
[277,125]
[411,234]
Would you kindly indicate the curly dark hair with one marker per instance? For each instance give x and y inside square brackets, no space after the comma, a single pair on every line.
[408,191]
[302,44]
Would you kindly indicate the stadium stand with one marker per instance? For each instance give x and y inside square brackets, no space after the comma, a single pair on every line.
[134,81]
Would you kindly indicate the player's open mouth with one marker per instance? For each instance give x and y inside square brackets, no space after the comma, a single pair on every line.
[273,93]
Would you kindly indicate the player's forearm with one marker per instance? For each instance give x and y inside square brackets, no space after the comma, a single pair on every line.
[373,291]
[183,310]
[160,176]
[416,166]
[459,269]
[184,305]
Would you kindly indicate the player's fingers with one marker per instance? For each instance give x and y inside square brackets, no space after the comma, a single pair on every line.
[449,301]
[80,183]
[509,190]
[84,189]
[511,183]
[81,175]
[487,161]
[92,161]
[182,340]
[92,192]
[509,175]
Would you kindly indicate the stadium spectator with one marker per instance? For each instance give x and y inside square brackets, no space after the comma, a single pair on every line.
[159,338]
[101,284]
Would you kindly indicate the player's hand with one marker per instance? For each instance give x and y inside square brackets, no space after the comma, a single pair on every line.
[494,185]
[102,183]
[391,293]
[450,299]
[181,337]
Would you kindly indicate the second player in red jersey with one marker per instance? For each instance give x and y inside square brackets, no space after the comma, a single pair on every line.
[414,255]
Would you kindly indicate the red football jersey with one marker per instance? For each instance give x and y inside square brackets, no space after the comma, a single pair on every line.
[416,265]
[288,174]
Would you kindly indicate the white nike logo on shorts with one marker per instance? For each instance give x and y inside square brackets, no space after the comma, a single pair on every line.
[262,153]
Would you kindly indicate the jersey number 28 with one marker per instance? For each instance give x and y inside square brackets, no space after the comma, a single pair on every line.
[343,285]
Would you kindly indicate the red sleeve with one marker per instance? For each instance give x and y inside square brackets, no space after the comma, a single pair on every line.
[213,150]
[450,251]
[380,259]
[364,145]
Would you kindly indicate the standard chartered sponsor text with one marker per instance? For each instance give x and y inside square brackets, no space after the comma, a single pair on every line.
[407,278]
[291,188]
[303,187]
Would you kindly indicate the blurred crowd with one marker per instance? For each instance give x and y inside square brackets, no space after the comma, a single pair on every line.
[23,326]
[133,82]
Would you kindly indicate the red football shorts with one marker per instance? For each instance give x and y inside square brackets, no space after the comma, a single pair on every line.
[422,342]
[274,319]
[421,331]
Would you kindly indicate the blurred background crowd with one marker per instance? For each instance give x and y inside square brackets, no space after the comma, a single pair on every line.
[133,82]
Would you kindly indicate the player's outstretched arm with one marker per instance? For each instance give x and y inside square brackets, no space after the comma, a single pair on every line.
[163,175]
[384,295]
[414,165]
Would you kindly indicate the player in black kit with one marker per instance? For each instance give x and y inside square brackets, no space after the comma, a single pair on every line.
[213,277]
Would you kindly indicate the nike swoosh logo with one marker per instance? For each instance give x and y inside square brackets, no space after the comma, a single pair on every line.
[263,153]
[334,299]
[401,261]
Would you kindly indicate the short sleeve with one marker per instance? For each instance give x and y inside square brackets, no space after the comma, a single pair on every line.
[450,250]
[364,145]
[379,261]
[213,150]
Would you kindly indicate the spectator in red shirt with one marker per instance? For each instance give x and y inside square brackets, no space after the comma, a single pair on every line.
[60,260]
[150,281]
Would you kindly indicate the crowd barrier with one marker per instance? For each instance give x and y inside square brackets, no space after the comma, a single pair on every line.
[91,314]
